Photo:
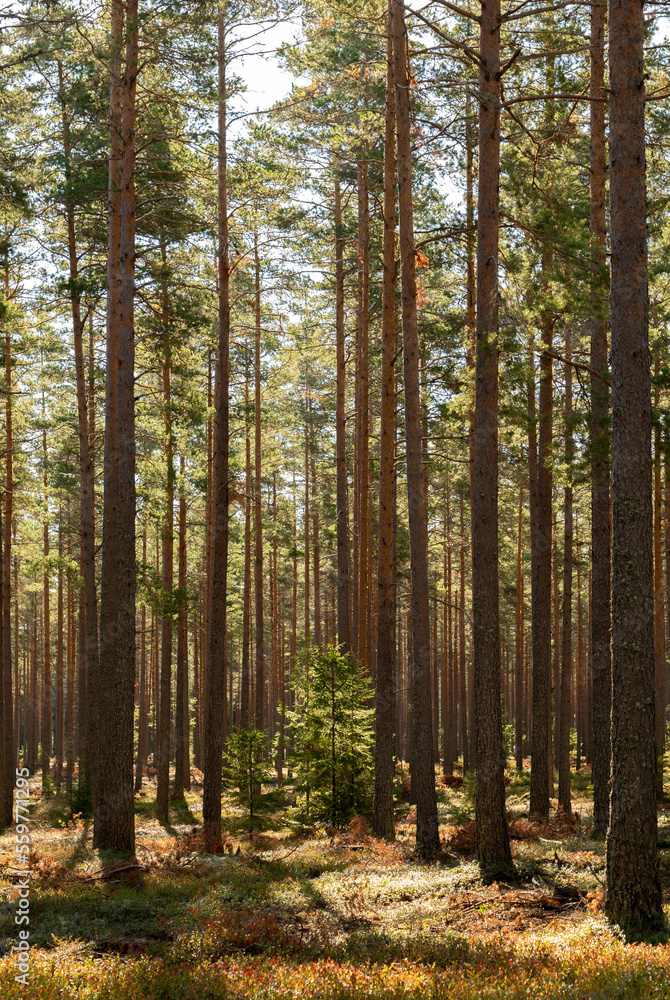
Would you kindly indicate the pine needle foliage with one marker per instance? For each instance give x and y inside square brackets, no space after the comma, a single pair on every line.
[248,766]
[332,736]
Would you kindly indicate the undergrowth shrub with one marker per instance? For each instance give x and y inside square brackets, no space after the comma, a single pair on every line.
[332,736]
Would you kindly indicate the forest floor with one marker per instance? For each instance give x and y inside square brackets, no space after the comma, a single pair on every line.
[295,913]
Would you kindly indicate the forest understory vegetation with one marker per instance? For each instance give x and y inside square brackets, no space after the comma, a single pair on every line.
[319,912]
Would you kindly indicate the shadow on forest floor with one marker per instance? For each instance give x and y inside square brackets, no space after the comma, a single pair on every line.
[307,896]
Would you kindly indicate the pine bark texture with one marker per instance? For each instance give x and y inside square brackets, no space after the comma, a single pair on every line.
[115,827]
[215,707]
[563,701]
[423,770]
[383,821]
[492,839]
[601,615]
[633,886]
[343,601]
[259,687]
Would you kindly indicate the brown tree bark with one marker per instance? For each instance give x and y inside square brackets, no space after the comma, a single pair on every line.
[182,728]
[363,396]
[9,735]
[383,820]
[423,774]
[114,826]
[259,687]
[343,591]
[143,714]
[492,840]
[563,702]
[601,617]
[541,703]
[633,885]
[60,717]
[165,699]
[465,717]
[448,651]
[69,669]
[245,694]
[215,719]
[307,513]
[85,416]
[316,551]
[46,636]
[659,637]
[518,644]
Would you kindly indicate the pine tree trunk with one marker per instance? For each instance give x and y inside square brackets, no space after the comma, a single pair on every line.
[245,707]
[165,700]
[449,748]
[464,700]
[563,703]
[9,734]
[492,839]
[259,713]
[316,555]
[215,719]
[633,886]
[60,718]
[363,395]
[142,723]
[518,646]
[85,415]
[182,728]
[81,732]
[659,638]
[423,773]
[541,704]
[383,821]
[69,669]
[601,617]
[114,827]
[343,598]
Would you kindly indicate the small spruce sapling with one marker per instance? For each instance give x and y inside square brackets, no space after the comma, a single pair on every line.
[249,765]
[332,736]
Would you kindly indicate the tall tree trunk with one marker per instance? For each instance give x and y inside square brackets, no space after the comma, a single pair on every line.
[563,704]
[633,885]
[449,749]
[245,707]
[363,450]
[69,669]
[115,827]
[463,683]
[182,729]
[46,641]
[143,715]
[659,638]
[2,652]
[423,774]
[259,713]
[8,714]
[383,821]
[343,599]
[601,616]
[492,839]
[518,646]
[215,720]
[316,554]
[60,718]
[541,703]
[85,417]
[165,700]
